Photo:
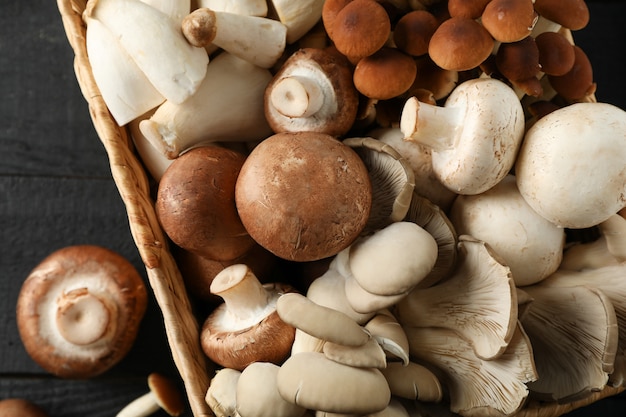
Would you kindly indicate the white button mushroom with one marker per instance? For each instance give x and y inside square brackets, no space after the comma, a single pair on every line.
[474,137]
[571,166]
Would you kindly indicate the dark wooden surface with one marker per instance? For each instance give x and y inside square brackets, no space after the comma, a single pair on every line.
[56,190]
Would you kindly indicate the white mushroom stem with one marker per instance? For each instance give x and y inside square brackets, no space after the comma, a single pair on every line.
[614,231]
[259,40]
[142,406]
[177,10]
[83,318]
[298,16]
[296,96]
[431,125]
[244,7]
[245,297]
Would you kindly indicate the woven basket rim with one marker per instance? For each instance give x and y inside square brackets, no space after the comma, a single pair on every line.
[182,328]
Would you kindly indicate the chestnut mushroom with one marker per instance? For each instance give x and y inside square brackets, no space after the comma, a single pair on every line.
[79,310]
[509,20]
[246,328]
[195,203]
[303,196]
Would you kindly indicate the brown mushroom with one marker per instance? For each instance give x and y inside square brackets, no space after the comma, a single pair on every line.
[413,31]
[79,310]
[509,20]
[471,9]
[20,407]
[313,91]
[574,16]
[246,328]
[360,28]
[460,44]
[195,203]
[576,84]
[556,53]
[330,9]
[303,196]
[385,74]
[519,62]
[163,395]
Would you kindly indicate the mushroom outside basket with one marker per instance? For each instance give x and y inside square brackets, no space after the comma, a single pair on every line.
[165,279]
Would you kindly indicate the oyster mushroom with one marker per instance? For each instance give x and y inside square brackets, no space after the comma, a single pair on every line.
[312,91]
[312,381]
[462,157]
[246,328]
[79,310]
[478,302]
[389,334]
[413,381]
[221,396]
[477,387]
[574,335]
[258,396]
[572,159]
[303,196]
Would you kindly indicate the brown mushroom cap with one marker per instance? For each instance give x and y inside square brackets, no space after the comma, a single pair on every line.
[574,15]
[413,31]
[303,196]
[19,407]
[509,20]
[79,310]
[199,27]
[196,203]
[519,63]
[385,74]
[360,28]
[578,81]
[556,54]
[471,9]
[329,14]
[166,394]
[460,44]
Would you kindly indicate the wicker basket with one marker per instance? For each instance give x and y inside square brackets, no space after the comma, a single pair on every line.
[164,277]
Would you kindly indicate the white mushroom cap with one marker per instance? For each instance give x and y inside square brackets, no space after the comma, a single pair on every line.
[571,167]
[474,137]
[311,380]
[529,244]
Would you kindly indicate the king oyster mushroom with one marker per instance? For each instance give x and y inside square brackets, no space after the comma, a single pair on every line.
[79,310]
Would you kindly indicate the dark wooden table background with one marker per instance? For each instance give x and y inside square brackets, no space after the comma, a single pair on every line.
[56,190]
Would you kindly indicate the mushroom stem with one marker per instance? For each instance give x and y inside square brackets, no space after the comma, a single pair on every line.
[244,295]
[431,125]
[82,317]
[296,96]
[142,406]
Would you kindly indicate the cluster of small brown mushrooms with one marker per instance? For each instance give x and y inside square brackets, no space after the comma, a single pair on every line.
[380,206]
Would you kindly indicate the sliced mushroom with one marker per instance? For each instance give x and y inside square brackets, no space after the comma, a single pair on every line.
[477,387]
[462,158]
[574,335]
[78,311]
[478,302]
[246,328]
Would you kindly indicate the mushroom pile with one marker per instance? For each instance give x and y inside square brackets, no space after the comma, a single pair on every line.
[377,205]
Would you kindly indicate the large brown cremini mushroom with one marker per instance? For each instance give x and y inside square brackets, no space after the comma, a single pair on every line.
[303,196]
[195,203]
[79,310]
